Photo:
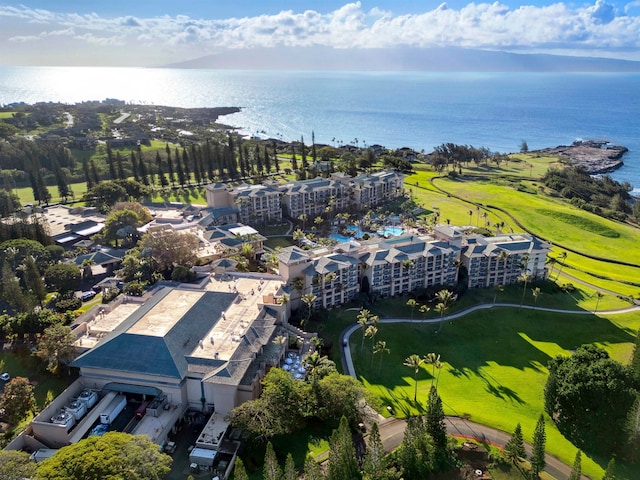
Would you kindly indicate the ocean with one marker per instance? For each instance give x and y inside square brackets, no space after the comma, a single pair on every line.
[396,109]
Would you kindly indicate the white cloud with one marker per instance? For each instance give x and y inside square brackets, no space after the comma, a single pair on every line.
[560,27]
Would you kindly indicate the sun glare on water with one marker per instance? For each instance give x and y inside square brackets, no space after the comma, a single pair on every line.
[133,85]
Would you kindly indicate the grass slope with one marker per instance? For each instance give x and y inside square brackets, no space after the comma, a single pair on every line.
[494,366]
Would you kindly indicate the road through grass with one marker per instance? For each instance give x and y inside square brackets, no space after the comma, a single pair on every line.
[494,366]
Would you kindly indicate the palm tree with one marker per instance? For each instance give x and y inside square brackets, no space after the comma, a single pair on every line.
[381,348]
[498,288]
[524,277]
[371,332]
[504,256]
[445,297]
[470,216]
[424,310]
[598,295]
[536,293]
[432,359]
[303,217]
[318,366]
[363,320]
[298,235]
[412,303]
[563,257]
[414,361]
[308,299]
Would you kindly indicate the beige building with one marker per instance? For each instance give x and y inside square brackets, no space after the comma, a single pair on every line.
[203,350]
[399,265]
[270,201]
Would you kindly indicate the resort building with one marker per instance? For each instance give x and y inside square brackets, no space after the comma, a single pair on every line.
[399,265]
[251,203]
[148,363]
[271,201]
[499,260]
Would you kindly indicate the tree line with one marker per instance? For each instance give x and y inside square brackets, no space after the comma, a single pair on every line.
[597,194]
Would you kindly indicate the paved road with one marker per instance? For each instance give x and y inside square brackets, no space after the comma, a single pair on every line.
[392,431]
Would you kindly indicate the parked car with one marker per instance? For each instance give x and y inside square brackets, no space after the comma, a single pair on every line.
[88,295]
[5,377]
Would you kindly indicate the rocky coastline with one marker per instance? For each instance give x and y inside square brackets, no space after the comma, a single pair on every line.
[595,156]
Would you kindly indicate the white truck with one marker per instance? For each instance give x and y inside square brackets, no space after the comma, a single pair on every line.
[113,409]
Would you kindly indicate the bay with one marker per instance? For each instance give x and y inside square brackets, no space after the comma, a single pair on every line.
[397,109]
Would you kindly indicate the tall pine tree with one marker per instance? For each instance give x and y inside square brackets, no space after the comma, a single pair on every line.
[271,469]
[312,470]
[182,179]
[172,177]
[538,461]
[267,160]
[576,471]
[186,165]
[343,463]
[289,469]
[294,162]
[64,191]
[375,460]
[514,448]
[436,428]
[635,358]
[303,154]
[134,167]
[314,155]
[143,168]
[121,174]
[94,172]
[276,163]
[110,162]
[416,452]
[239,472]
[87,175]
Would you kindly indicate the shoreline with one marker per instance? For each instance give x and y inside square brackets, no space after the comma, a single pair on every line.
[595,156]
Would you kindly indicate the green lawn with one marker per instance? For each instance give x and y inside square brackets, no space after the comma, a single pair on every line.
[313,440]
[555,219]
[494,366]
[22,364]
[6,115]
[276,229]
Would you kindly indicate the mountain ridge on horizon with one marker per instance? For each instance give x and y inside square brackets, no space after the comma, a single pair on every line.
[443,59]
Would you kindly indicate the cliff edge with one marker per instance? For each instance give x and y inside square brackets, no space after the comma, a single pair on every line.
[595,156]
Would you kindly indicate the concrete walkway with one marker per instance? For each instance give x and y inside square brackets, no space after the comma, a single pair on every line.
[347,361]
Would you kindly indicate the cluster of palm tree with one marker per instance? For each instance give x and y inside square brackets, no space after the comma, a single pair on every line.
[444,298]
[369,326]
[423,309]
[415,362]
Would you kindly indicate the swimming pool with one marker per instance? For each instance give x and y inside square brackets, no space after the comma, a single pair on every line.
[391,232]
[340,238]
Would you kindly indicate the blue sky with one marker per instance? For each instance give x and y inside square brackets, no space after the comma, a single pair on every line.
[153,32]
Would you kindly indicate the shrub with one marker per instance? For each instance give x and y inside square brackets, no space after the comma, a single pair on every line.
[182,274]
[66,304]
[109,294]
[134,288]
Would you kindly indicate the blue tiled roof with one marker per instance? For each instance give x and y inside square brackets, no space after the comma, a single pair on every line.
[165,356]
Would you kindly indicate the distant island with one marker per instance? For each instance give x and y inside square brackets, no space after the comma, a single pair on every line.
[445,59]
[595,156]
